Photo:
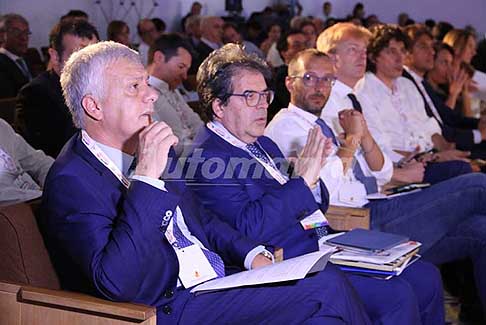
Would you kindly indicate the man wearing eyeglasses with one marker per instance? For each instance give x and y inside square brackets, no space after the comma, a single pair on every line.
[14,72]
[240,176]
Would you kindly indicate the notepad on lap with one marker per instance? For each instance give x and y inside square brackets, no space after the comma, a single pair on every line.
[368,239]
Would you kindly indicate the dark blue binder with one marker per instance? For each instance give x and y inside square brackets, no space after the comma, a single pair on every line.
[368,239]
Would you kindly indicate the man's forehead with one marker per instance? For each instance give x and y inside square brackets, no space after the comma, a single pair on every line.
[245,79]
[317,64]
[20,24]
[127,69]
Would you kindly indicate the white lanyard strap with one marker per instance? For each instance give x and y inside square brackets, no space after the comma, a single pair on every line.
[271,168]
[103,158]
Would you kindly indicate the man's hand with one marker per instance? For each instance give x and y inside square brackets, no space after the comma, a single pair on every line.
[154,143]
[260,260]
[449,155]
[410,172]
[313,156]
[352,123]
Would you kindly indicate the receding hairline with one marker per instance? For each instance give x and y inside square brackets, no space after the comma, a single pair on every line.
[297,63]
[329,39]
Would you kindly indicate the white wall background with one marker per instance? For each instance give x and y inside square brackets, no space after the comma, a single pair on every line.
[43,14]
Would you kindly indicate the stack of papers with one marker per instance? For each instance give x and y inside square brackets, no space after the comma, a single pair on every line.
[371,260]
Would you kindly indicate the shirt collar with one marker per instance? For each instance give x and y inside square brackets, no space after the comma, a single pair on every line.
[416,77]
[121,160]
[380,84]
[234,140]
[342,89]
[158,84]
[12,56]
[212,45]
[302,113]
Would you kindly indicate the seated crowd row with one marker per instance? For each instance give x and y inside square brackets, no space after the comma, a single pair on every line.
[351,114]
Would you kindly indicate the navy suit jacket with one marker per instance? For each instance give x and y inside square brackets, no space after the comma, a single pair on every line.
[259,207]
[109,241]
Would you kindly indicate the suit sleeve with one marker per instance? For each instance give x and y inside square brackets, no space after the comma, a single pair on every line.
[256,211]
[113,246]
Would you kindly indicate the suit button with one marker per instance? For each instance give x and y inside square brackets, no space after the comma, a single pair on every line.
[168,213]
[167,309]
[169,293]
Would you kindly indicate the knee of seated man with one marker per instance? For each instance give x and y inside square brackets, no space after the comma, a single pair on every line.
[331,277]
[426,281]
[472,180]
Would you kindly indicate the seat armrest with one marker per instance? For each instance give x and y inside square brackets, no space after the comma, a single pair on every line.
[346,218]
[85,304]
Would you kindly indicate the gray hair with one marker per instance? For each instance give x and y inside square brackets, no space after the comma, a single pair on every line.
[8,19]
[83,74]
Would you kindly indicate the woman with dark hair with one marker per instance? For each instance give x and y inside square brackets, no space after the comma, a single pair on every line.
[447,80]
[463,42]
[118,31]
[273,34]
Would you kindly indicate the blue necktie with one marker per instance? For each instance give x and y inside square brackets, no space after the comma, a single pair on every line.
[213,258]
[255,149]
[369,182]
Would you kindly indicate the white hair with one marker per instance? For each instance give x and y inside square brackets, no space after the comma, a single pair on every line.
[83,74]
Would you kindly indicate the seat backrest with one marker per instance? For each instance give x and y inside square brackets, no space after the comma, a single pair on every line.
[23,256]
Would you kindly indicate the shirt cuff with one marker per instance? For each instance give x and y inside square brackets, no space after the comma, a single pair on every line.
[253,253]
[316,193]
[157,183]
[477,136]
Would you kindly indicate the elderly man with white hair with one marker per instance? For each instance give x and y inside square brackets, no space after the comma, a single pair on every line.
[115,229]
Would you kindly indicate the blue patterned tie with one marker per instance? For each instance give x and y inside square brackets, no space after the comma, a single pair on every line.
[213,258]
[369,182]
[255,149]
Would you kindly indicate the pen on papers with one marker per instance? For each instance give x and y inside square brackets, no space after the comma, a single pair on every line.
[407,188]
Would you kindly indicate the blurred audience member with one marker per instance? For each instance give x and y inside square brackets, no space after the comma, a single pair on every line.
[232,35]
[159,25]
[195,11]
[273,35]
[169,61]
[118,31]
[42,109]
[441,29]
[148,34]
[14,72]
[22,168]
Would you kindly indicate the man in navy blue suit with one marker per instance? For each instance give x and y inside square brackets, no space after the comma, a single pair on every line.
[116,230]
[241,176]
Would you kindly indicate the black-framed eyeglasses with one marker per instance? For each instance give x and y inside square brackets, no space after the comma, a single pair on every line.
[254,98]
[311,80]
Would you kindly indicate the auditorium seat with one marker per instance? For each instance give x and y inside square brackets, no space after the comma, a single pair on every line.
[29,287]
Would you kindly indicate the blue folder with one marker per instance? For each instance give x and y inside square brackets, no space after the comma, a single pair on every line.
[368,240]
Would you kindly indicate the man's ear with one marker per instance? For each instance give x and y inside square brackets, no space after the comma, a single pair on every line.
[218,108]
[159,57]
[289,83]
[54,58]
[91,107]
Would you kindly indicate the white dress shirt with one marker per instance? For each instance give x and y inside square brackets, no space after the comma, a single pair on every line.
[396,116]
[22,168]
[273,57]
[173,110]
[123,162]
[290,128]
